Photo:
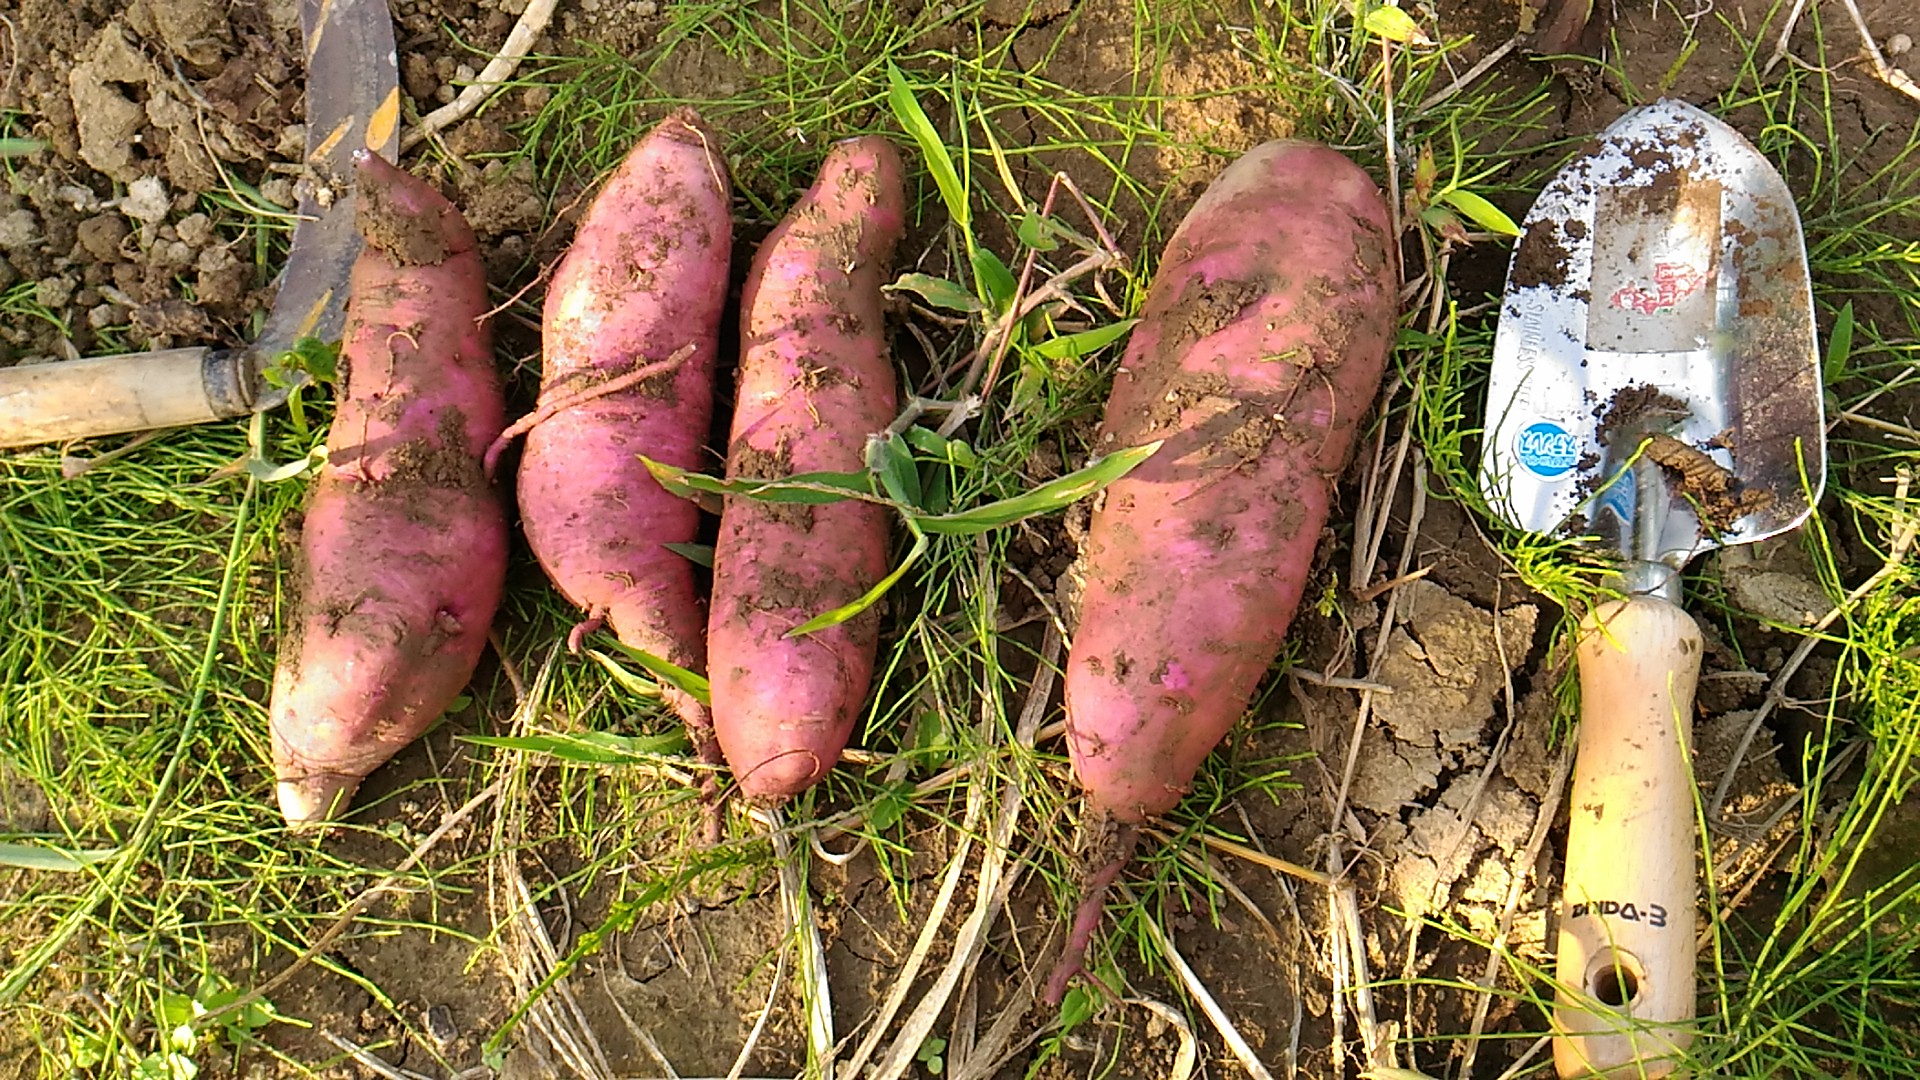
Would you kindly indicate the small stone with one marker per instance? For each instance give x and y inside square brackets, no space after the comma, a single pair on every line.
[416,74]
[18,229]
[514,7]
[147,200]
[278,190]
[445,94]
[172,254]
[465,73]
[438,1020]
[82,199]
[1899,44]
[293,142]
[195,229]
[101,316]
[54,293]
[101,235]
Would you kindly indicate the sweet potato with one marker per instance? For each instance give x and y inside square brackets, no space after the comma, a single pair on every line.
[815,381]
[403,550]
[1259,353]
[640,292]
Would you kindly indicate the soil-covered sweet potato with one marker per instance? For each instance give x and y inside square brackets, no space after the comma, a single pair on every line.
[403,548]
[815,381]
[1261,347]
[639,293]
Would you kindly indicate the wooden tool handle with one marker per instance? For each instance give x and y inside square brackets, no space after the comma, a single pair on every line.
[108,395]
[1626,958]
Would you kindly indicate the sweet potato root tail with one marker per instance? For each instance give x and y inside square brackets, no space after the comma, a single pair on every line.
[315,799]
[1116,850]
[577,637]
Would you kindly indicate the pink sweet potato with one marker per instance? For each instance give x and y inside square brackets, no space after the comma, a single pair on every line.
[641,290]
[403,551]
[815,381]
[1259,353]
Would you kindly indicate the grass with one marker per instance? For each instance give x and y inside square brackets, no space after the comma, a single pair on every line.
[144,596]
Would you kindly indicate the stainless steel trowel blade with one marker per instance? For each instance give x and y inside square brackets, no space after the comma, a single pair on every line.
[1667,255]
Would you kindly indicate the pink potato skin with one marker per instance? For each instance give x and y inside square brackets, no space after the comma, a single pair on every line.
[1259,353]
[815,381]
[403,551]
[645,278]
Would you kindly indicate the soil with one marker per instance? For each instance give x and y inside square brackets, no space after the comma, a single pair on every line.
[1451,814]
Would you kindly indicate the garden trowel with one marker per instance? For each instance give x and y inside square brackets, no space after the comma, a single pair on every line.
[1655,385]
[352,100]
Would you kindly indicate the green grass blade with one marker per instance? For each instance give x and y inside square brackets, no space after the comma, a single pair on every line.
[1048,497]
[134,851]
[48,857]
[591,747]
[1084,343]
[906,109]
[937,292]
[1484,214]
[814,488]
[847,611]
[666,671]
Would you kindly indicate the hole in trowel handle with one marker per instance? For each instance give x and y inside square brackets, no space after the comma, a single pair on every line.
[1614,978]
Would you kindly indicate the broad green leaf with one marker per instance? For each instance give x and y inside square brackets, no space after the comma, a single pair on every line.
[847,611]
[890,806]
[1085,342]
[929,442]
[666,671]
[1393,24]
[936,496]
[814,488]
[318,360]
[1048,497]
[939,292]
[994,277]
[698,554]
[1839,346]
[1445,222]
[176,1008]
[906,109]
[86,1050]
[962,454]
[1076,1008]
[591,747]
[1483,213]
[48,857]
[1038,232]
[890,459]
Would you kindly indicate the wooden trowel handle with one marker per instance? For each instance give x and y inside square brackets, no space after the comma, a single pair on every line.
[1626,1000]
[107,395]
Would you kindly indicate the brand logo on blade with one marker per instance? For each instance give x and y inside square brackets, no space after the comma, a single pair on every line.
[1546,450]
[1672,282]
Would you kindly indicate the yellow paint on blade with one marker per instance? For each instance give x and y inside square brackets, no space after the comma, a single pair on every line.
[319,28]
[312,317]
[381,125]
[323,151]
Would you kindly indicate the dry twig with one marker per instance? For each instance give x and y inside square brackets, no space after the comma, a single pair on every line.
[1222,1023]
[532,22]
[1886,72]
